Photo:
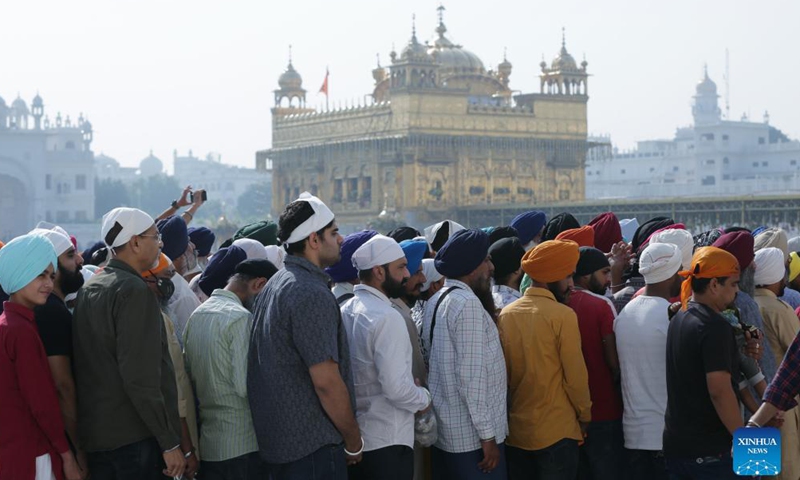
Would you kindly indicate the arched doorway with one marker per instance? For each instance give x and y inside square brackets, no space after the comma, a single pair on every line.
[15,208]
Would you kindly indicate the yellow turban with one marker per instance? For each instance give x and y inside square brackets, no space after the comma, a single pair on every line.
[551,261]
[707,262]
[583,236]
[794,266]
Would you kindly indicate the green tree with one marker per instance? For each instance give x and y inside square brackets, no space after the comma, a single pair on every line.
[109,194]
[255,203]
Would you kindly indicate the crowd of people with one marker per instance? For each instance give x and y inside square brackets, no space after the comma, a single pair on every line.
[543,349]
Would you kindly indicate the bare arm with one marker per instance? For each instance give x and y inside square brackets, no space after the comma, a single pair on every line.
[749,402]
[724,399]
[610,354]
[335,399]
[181,202]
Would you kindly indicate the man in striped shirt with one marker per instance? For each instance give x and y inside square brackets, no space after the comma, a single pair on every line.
[215,343]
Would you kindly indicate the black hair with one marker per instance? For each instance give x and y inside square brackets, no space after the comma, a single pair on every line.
[700,285]
[295,214]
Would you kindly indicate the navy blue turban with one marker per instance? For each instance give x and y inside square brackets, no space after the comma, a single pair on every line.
[344,271]
[528,225]
[220,268]
[203,240]
[462,253]
[175,236]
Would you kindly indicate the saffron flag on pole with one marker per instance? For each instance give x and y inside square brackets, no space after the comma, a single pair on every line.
[324,88]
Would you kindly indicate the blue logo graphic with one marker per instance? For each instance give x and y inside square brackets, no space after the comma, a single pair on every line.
[757,451]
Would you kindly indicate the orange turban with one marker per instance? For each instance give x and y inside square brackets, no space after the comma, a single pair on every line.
[551,261]
[583,236]
[707,262]
[2,244]
[163,263]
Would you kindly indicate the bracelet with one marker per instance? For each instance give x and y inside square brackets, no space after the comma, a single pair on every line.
[355,454]
[188,454]
[488,440]
[187,213]
[753,423]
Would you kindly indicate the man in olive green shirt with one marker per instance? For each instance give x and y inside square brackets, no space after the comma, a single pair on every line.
[127,397]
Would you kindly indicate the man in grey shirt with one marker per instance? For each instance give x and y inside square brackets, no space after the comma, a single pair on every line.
[299,380]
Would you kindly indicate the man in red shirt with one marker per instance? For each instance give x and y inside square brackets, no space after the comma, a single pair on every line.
[601,454]
[32,440]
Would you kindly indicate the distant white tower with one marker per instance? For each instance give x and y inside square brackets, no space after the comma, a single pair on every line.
[706,102]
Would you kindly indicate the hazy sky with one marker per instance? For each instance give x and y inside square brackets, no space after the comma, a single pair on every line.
[180,74]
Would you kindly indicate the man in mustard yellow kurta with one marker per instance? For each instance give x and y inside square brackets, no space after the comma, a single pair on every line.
[548,386]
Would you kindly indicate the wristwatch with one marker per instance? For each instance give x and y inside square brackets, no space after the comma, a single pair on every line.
[174,204]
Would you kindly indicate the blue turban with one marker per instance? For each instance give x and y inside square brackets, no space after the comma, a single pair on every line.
[758,230]
[463,253]
[87,254]
[23,259]
[220,268]
[343,270]
[415,251]
[528,225]
[174,235]
[203,240]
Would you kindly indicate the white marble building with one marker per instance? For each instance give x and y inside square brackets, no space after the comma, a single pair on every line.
[46,169]
[713,157]
[223,182]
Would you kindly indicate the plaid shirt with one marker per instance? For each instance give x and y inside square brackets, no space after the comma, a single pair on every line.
[786,384]
[624,296]
[467,379]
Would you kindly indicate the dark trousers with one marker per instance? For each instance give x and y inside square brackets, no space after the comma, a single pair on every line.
[142,460]
[601,454]
[464,466]
[327,463]
[245,467]
[389,463]
[556,462]
[646,464]
[718,467]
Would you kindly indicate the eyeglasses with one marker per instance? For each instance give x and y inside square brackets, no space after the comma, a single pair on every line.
[157,236]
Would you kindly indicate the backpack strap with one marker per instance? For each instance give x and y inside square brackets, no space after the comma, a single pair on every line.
[436,309]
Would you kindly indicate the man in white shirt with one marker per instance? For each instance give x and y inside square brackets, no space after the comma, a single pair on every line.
[387,395]
[343,274]
[641,332]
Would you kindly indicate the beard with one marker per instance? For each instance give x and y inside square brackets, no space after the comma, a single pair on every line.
[393,288]
[747,280]
[249,302]
[562,296]
[70,282]
[596,287]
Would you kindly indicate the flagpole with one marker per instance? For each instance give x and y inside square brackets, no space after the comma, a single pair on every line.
[327,73]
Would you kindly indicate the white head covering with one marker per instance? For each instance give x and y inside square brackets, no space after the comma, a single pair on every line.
[276,255]
[120,224]
[659,262]
[431,274]
[628,227]
[681,239]
[253,248]
[430,232]
[57,236]
[378,250]
[794,244]
[770,266]
[322,216]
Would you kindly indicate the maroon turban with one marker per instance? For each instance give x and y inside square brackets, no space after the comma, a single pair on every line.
[740,245]
[607,231]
